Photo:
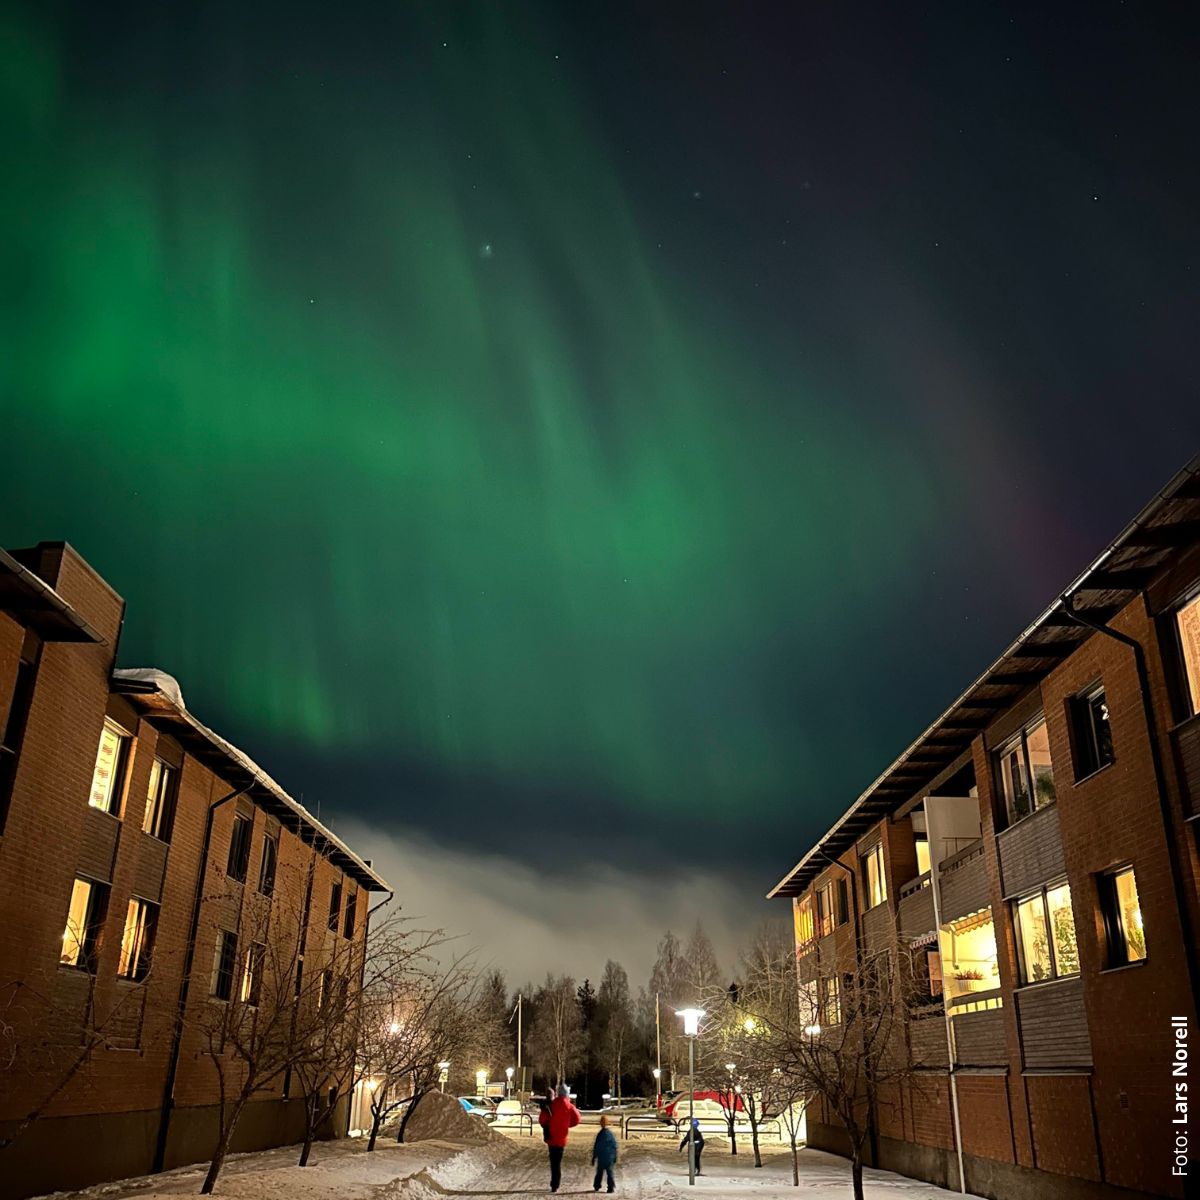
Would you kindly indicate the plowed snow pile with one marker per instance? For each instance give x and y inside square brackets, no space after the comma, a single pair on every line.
[442,1117]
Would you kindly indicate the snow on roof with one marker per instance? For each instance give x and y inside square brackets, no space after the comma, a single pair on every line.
[147,681]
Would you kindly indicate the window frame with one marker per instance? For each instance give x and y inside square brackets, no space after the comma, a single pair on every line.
[1116,936]
[350,915]
[136,960]
[824,909]
[238,869]
[271,840]
[158,821]
[114,805]
[250,987]
[874,854]
[335,905]
[1086,741]
[224,972]
[1052,949]
[1189,691]
[20,704]
[805,920]
[1021,739]
[89,942]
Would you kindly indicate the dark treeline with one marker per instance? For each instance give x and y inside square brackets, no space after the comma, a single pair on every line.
[598,1034]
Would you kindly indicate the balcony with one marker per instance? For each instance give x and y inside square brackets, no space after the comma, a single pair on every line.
[964,882]
[916,908]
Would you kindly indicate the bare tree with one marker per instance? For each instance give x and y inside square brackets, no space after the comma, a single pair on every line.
[556,1043]
[276,990]
[843,1038]
[669,982]
[615,1018]
[415,1015]
[49,1042]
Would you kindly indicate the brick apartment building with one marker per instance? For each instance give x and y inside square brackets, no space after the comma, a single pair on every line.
[1035,850]
[140,856]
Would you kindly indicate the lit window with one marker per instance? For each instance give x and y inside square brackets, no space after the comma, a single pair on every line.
[106,778]
[922,844]
[874,880]
[1093,737]
[85,918]
[1046,934]
[1187,628]
[160,801]
[1026,776]
[251,990]
[802,919]
[224,964]
[137,942]
[825,910]
[831,1007]
[239,847]
[1122,917]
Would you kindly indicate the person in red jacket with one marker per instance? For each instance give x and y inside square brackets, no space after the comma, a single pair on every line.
[558,1118]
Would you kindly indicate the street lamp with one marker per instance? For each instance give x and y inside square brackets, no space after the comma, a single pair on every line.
[691,1027]
[748,1025]
[443,1075]
[812,1030]
[508,1086]
[657,1073]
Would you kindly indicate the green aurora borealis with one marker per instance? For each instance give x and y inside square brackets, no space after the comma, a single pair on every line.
[354,359]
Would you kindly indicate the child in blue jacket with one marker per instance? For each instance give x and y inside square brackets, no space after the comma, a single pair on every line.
[604,1155]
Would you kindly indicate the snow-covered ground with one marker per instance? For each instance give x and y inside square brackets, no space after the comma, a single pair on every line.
[514,1165]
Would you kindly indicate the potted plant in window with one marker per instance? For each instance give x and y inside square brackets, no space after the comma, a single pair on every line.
[968,980]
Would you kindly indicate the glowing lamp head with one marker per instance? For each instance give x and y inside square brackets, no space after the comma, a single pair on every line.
[731,1067]
[691,1020]
[656,1072]
[509,1072]
[812,1030]
[394,1027]
[748,1025]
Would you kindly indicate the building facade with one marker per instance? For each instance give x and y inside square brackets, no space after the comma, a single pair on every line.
[1034,855]
[151,875]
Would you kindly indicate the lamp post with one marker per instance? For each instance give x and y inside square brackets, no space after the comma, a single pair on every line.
[657,1073]
[508,1071]
[691,1027]
[731,1067]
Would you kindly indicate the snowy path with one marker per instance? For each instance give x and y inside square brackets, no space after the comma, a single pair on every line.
[654,1171]
[514,1166]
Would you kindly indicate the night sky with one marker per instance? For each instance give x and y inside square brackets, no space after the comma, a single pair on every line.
[577,446]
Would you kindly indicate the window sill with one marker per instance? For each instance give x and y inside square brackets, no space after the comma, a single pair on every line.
[106,812]
[1035,984]
[1082,779]
[1037,812]
[1117,968]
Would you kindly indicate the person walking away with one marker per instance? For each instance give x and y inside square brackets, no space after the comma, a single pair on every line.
[558,1118]
[604,1155]
[695,1136]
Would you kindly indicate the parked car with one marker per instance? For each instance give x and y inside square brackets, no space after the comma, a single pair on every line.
[510,1113]
[706,1104]
[482,1106]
